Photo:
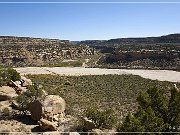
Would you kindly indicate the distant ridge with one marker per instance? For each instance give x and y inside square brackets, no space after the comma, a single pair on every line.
[171,38]
[8,36]
[4,40]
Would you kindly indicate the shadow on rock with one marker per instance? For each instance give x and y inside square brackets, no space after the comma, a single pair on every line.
[36,129]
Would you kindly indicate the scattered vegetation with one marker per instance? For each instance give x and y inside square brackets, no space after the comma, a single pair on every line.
[118,92]
[101,118]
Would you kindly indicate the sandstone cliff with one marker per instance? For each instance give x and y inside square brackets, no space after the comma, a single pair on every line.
[25,51]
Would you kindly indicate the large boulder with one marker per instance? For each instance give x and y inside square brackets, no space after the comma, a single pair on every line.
[36,110]
[7,93]
[53,104]
[47,107]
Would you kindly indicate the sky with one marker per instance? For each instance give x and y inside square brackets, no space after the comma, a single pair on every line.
[89,21]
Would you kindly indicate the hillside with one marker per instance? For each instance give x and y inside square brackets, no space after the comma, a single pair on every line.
[60,103]
[139,53]
[132,53]
[171,38]
[26,51]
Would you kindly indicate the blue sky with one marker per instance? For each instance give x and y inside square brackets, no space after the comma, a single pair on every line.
[89,21]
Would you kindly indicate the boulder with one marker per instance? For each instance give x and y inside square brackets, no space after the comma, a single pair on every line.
[25,82]
[36,110]
[16,85]
[7,93]
[47,125]
[53,104]
[47,107]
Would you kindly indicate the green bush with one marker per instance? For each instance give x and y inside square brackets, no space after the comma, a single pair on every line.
[156,113]
[102,119]
[6,75]
[13,74]
[33,92]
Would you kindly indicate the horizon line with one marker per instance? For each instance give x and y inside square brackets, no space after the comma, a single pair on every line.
[58,38]
[89,2]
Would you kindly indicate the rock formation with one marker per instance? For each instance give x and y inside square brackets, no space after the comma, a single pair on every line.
[25,51]
[7,93]
[47,107]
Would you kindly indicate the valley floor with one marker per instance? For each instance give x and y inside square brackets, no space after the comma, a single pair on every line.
[161,75]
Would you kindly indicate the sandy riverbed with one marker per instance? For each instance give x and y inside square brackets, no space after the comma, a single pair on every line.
[162,75]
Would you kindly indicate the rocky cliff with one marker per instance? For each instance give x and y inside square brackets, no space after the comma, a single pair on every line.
[167,39]
[26,51]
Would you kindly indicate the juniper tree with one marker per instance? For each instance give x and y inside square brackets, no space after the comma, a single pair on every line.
[156,113]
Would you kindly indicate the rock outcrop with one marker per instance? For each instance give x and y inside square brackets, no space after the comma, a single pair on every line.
[47,107]
[7,93]
[25,51]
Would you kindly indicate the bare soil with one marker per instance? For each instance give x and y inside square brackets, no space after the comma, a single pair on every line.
[161,75]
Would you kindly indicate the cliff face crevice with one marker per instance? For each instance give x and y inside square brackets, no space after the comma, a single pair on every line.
[24,51]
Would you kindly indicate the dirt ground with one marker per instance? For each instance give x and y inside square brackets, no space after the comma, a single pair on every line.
[162,75]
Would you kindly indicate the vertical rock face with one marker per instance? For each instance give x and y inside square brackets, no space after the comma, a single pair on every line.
[25,51]
[47,107]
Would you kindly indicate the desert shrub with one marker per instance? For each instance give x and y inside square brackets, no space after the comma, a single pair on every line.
[6,75]
[101,118]
[13,74]
[33,92]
